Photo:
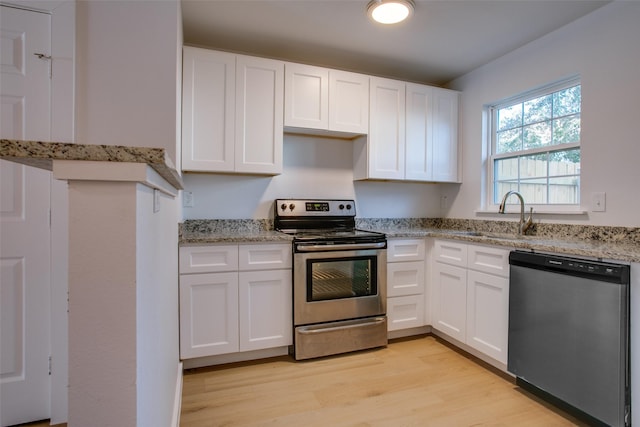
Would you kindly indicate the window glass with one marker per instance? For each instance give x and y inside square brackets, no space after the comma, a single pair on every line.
[536,146]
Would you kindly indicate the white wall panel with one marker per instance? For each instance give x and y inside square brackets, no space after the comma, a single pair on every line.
[602,48]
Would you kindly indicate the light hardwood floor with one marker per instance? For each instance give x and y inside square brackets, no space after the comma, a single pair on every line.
[412,382]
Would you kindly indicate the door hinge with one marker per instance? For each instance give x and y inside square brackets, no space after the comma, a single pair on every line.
[49,365]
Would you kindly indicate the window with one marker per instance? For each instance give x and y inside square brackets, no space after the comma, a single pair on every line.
[535,146]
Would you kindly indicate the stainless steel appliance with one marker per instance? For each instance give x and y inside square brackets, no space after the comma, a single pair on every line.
[569,334]
[339,278]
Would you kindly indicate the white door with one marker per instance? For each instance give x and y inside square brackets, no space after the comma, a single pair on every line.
[24,222]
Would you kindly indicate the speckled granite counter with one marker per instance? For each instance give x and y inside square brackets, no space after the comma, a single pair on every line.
[230,231]
[42,154]
[610,243]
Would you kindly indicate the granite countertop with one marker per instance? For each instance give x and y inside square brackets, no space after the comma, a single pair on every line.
[193,232]
[609,243]
[42,154]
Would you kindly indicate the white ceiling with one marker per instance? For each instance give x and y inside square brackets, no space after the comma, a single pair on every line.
[444,39]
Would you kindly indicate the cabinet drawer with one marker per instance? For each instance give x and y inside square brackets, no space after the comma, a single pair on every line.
[405,312]
[450,252]
[265,257]
[208,259]
[405,278]
[405,250]
[488,260]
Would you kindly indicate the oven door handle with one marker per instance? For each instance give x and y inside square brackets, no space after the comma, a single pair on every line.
[301,247]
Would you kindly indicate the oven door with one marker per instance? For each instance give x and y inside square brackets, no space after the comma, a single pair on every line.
[339,285]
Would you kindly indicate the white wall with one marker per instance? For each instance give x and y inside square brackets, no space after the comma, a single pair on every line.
[156,308]
[603,49]
[314,167]
[128,69]
[126,73]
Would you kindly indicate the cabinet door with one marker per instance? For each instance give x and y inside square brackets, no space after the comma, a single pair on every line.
[405,278]
[348,102]
[445,135]
[265,309]
[419,133]
[488,314]
[306,91]
[259,110]
[449,307]
[208,314]
[208,110]
[386,144]
[405,312]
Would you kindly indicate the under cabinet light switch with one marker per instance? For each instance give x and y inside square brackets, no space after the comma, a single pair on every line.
[598,202]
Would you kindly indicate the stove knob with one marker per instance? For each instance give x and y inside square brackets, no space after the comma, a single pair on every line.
[283,206]
[291,206]
[349,207]
[341,207]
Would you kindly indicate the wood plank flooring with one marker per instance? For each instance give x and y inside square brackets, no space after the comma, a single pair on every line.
[413,382]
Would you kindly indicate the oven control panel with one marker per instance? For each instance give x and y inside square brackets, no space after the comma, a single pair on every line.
[302,207]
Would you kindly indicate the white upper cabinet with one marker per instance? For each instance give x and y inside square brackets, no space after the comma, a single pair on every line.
[306,102]
[208,110]
[348,102]
[432,134]
[232,113]
[259,104]
[419,132]
[444,141]
[383,155]
[326,101]
[412,134]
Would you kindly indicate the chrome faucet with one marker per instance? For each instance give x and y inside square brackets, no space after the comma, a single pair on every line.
[523,226]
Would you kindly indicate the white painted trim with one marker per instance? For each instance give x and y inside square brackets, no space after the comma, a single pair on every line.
[177,401]
[111,171]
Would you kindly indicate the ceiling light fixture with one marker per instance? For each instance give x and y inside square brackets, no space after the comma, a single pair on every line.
[390,11]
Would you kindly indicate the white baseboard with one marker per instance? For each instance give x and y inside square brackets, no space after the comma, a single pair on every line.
[177,400]
[235,357]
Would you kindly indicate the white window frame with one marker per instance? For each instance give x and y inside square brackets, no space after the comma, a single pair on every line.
[490,114]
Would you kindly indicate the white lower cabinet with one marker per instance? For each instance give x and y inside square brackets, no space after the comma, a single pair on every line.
[488,314]
[405,284]
[470,291]
[450,300]
[234,298]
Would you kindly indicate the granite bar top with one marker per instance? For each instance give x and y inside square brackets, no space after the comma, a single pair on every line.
[42,154]
[608,243]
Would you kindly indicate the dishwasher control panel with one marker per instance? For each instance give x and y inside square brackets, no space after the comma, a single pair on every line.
[600,270]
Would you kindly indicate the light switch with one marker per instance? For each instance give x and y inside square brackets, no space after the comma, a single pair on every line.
[187,199]
[598,202]
[156,200]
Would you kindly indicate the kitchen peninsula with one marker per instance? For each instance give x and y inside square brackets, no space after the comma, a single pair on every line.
[122,222]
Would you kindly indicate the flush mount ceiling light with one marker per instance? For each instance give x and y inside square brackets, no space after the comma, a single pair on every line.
[390,11]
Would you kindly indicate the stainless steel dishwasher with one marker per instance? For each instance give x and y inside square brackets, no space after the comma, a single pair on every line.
[569,334]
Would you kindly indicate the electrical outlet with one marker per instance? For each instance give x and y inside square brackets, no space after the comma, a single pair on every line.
[598,202]
[187,199]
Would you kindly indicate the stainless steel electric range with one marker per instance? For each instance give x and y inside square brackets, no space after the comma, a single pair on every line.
[339,278]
